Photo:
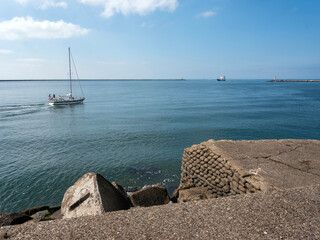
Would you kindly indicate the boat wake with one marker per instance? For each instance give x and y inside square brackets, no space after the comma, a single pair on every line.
[18,110]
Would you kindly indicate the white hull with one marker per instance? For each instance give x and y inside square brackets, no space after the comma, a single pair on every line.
[66,102]
[222,78]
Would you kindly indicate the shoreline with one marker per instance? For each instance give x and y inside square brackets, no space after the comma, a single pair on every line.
[224,149]
[223,183]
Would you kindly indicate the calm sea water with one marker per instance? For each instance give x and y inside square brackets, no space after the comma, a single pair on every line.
[134,132]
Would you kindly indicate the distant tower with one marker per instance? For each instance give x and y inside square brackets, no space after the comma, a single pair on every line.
[275,78]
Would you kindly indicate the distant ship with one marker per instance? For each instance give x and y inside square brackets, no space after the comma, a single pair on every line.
[222,78]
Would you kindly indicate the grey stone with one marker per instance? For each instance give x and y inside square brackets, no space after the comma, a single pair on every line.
[122,191]
[92,195]
[153,195]
[56,215]
[33,210]
[13,218]
[193,194]
[54,209]
[41,216]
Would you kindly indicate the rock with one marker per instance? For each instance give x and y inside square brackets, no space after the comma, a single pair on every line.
[31,211]
[122,191]
[193,194]
[92,194]
[34,214]
[175,193]
[41,216]
[56,215]
[153,195]
[13,218]
[53,213]
[54,209]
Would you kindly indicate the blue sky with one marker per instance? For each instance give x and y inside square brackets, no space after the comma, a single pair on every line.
[116,39]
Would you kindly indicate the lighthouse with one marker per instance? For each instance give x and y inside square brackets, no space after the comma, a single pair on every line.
[274,78]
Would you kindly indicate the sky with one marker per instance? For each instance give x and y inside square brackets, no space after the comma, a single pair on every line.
[160,39]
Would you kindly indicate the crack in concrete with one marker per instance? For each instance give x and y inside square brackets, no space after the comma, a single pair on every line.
[291,150]
[288,165]
[270,157]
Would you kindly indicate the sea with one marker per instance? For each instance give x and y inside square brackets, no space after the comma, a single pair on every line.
[134,132]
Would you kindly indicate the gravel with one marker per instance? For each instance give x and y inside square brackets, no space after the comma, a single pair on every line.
[288,214]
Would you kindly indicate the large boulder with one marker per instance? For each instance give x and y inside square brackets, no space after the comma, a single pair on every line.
[92,194]
[153,195]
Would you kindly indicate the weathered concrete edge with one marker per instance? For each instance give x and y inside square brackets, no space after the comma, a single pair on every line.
[291,213]
[264,185]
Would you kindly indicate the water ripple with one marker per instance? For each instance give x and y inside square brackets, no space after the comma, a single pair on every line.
[18,110]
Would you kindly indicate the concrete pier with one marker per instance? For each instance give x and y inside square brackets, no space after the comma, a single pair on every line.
[301,80]
[228,168]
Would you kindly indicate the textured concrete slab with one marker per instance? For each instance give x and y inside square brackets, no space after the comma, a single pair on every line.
[226,168]
[282,163]
[287,214]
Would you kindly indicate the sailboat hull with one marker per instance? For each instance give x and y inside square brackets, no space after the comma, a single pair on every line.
[66,102]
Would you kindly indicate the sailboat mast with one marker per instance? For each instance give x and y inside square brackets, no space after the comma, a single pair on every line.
[70,73]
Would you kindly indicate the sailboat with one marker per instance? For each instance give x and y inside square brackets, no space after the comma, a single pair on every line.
[67,99]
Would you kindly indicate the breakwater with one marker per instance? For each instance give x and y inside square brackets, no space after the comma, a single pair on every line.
[248,170]
[212,169]
[301,80]
[233,167]
[221,177]
[288,214]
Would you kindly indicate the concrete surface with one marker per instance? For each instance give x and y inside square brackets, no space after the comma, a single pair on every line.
[288,214]
[283,164]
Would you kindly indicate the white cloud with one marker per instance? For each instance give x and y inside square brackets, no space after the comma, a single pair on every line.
[20,27]
[125,7]
[208,14]
[44,4]
[5,51]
